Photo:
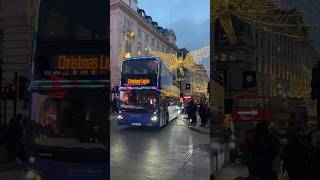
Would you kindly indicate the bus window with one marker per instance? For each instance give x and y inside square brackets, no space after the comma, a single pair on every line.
[59,20]
[138,101]
[72,120]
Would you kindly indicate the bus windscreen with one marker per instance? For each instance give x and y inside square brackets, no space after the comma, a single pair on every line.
[70,118]
[139,100]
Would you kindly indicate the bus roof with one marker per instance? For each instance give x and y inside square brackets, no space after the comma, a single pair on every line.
[143,58]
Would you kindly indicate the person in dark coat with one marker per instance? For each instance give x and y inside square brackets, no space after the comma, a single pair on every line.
[248,151]
[203,114]
[295,157]
[192,109]
[14,137]
[265,148]
[314,163]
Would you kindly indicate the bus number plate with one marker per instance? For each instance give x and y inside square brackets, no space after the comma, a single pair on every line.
[136,124]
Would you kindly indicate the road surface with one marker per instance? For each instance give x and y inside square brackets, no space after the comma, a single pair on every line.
[172,152]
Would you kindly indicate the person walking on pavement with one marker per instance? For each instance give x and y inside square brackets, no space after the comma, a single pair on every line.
[265,148]
[192,109]
[314,163]
[14,135]
[248,152]
[115,105]
[295,157]
[203,114]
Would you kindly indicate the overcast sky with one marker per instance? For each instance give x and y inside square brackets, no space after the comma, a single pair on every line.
[190,19]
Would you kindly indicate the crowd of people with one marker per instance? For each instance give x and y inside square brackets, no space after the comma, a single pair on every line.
[203,111]
[12,135]
[292,151]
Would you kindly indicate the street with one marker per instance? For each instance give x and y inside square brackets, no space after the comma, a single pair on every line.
[172,152]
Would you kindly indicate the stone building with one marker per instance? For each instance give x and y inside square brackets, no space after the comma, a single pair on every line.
[282,63]
[16,28]
[132,33]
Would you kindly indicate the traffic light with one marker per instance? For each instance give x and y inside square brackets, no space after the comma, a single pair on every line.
[187,86]
[23,87]
[12,91]
[249,79]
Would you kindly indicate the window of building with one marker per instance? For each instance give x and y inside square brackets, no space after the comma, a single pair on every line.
[126,23]
[152,42]
[128,44]
[128,2]
[139,47]
[147,38]
[146,51]
[139,33]
[158,46]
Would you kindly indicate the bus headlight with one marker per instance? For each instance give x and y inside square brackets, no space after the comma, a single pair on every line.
[154,118]
[32,175]
[120,117]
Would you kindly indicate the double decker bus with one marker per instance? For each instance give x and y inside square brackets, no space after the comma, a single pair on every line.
[68,134]
[148,93]
[248,108]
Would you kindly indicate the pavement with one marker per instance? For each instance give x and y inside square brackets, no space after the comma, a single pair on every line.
[172,152]
[237,171]
[197,127]
[10,170]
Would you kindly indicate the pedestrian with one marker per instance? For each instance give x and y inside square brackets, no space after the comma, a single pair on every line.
[115,105]
[19,117]
[266,148]
[192,109]
[14,135]
[314,163]
[203,114]
[295,157]
[248,151]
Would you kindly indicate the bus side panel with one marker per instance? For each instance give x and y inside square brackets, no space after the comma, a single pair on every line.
[51,170]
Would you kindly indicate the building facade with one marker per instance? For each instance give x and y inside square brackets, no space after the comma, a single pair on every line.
[132,33]
[199,83]
[282,63]
[16,29]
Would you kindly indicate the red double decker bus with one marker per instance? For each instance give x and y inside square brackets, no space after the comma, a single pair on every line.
[248,108]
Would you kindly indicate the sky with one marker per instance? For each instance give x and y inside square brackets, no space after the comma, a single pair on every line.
[190,19]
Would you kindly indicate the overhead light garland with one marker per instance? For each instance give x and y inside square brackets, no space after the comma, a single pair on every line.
[265,15]
[174,62]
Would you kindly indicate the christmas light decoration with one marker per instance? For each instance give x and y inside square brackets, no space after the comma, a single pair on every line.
[264,15]
[173,62]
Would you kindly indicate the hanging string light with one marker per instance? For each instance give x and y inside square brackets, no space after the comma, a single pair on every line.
[265,15]
[173,62]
